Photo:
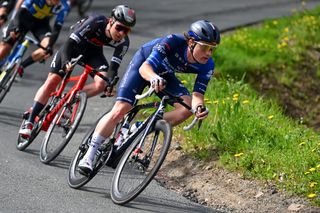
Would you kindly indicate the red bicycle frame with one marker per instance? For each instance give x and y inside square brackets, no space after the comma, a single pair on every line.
[81,80]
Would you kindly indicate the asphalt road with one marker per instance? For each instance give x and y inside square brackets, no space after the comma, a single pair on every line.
[30,186]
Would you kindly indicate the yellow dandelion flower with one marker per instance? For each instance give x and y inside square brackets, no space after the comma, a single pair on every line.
[238,154]
[235,98]
[184,81]
[216,102]
[235,95]
[312,195]
[270,117]
[286,38]
[275,22]
[318,166]
[208,102]
[312,169]
[286,29]
[312,184]
[307,173]
[245,101]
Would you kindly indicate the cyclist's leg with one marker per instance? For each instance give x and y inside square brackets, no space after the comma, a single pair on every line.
[42,34]
[95,58]
[180,113]
[103,130]
[22,24]
[131,84]
[43,94]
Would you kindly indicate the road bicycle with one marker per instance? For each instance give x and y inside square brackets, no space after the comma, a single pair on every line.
[9,69]
[62,115]
[138,158]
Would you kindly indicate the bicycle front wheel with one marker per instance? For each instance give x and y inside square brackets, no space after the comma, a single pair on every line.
[139,165]
[62,128]
[7,80]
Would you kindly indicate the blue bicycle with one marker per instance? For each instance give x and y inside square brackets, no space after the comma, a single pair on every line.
[9,69]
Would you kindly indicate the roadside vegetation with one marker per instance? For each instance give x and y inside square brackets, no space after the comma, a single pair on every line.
[250,131]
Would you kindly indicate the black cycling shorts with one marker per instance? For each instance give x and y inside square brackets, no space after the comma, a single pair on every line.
[93,56]
[25,22]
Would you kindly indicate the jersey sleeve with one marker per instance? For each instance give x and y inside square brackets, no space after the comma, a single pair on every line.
[87,27]
[161,50]
[118,54]
[63,13]
[203,78]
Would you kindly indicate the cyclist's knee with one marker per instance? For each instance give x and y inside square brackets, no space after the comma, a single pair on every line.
[184,113]
[52,82]
[119,110]
[100,86]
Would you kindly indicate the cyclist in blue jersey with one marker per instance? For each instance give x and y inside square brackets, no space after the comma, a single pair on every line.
[88,38]
[34,16]
[154,62]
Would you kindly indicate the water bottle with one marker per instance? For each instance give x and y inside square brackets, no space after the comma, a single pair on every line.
[135,126]
[123,134]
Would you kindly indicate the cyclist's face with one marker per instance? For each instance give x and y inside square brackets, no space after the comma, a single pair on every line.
[52,2]
[202,51]
[118,31]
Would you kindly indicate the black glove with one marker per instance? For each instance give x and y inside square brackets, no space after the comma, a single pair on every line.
[49,50]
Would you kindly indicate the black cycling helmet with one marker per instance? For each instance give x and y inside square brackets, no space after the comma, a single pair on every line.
[203,30]
[125,15]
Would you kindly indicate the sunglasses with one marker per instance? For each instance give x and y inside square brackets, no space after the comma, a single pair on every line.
[207,47]
[121,28]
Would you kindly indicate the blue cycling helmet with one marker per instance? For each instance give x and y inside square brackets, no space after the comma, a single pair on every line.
[203,30]
[124,15]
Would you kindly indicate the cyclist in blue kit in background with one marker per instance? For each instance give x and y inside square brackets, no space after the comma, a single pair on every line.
[34,16]
[155,63]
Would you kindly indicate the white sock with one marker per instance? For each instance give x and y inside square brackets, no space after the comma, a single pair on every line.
[95,143]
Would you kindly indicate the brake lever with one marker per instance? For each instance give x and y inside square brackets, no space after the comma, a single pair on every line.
[110,84]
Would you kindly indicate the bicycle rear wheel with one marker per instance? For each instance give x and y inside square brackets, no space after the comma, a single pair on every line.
[61,131]
[77,179]
[137,167]
[7,80]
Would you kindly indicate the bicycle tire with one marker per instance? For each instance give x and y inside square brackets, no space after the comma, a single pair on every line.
[75,178]
[23,143]
[128,161]
[83,7]
[7,82]
[52,145]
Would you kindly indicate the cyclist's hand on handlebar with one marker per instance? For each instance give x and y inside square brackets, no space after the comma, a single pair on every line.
[201,112]
[110,89]
[68,67]
[49,51]
[158,83]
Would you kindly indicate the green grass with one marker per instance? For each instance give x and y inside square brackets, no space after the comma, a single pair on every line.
[251,134]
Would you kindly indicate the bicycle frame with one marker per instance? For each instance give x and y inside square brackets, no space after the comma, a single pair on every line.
[16,54]
[146,126]
[67,98]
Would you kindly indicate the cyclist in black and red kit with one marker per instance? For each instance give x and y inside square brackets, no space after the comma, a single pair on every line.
[88,38]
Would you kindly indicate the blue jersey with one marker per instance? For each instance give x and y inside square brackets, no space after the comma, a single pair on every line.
[40,10]
[169,55]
